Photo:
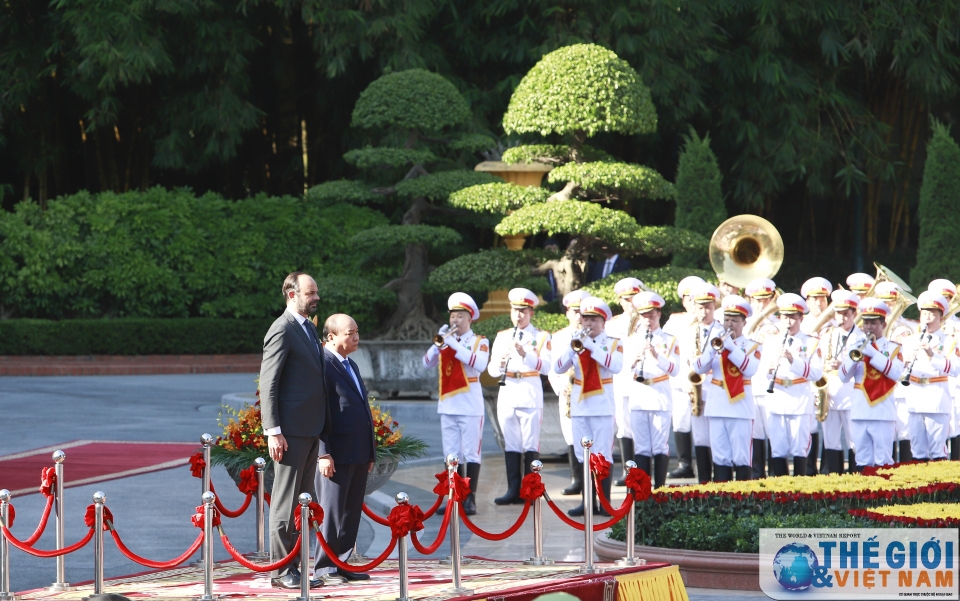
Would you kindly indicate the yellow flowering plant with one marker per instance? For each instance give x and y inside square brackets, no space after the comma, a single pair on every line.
[923,515]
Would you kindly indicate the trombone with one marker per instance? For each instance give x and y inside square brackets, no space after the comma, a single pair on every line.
[856,354]
[717,342]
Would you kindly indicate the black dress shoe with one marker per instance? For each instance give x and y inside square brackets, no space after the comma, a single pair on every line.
[288,581]
[333,579]
[353,576]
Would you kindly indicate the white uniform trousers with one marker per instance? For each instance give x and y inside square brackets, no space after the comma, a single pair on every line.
[520,427]
[566,426]
[624,423]
[462,435]
[874,440]
[731,440]
[701,430]
[789,435]
[759,417]
[837,421]
[681,411]
[903,419]
[651,432]
[600,428]
[928,435]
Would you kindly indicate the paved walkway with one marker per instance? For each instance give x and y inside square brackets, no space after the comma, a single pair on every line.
[110,365]
[152,511]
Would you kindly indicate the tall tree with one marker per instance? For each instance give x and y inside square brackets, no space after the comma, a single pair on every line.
[939,211]
[700,205]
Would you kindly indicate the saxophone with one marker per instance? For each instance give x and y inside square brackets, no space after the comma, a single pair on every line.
[696,380]
[821,397]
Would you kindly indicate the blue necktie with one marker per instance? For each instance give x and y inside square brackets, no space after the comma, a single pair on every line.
[346,365]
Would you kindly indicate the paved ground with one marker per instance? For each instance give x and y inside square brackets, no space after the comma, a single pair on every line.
[41,412]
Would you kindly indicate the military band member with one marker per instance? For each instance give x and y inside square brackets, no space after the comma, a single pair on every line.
[889,292]
[876,373]
[653,359]
[760,292]
[860,283]
[618,327]
[951,327]
[562,385]
[591,400]
[835,343]
[523,354]
[727,289]
[729,402]
[693,343]
[816,291]
[929,401]
[676,324]
[461,358]
[791,365]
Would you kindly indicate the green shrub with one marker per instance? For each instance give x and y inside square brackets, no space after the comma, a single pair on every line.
[699,198]
[939,211]
[193,336]
[549,322]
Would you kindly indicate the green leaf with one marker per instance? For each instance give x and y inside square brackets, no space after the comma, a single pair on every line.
[497,197]
[393,236]
[490,270]
[415,99]
[439,186]
[341,190]
[368,158]
[612,178]
[585,88]
[551,153]
[473,143]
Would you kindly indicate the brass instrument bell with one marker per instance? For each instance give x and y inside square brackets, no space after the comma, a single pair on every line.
[744,248]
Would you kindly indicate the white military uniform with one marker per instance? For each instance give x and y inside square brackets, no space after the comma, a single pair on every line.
[929,399]
[562,383]
[730,413]
[460,407]
[835,343]
[694,337]
[593,412]
[651,401]
[520,403]
[791,404]
[766,333]
[617,328]
[874,423]
[680,398]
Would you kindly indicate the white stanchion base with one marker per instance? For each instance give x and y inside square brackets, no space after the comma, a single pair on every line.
[446,561]
[459,592]
[207,598]
[627,562]
[538,561]
[9,597]
[59,587]
[591,570]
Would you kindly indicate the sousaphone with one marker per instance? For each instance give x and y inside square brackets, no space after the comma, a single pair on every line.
[744,248]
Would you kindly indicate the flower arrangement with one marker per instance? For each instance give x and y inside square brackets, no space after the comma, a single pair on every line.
[241,439]
[921,515]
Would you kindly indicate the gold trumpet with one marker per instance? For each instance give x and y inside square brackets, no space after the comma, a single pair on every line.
[440,339]
[576,341]
[857,353]
[717,343]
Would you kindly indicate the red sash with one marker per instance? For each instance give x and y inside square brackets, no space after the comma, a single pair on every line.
[453,378]
[590,376]
[732,378]
[876,386]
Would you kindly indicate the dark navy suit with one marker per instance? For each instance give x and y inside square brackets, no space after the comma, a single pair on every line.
[595,272]
[350,443]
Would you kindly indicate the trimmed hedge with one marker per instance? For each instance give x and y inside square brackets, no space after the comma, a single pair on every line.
[132,336]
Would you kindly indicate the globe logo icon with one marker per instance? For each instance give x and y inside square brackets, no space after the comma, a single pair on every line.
[794,566]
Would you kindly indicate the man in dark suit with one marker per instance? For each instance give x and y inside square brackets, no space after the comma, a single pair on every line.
[612,263]
[347,453]
[293,404]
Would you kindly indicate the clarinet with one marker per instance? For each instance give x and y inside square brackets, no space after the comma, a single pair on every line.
[906,378]
[506,359]
[639,377]
[773,379]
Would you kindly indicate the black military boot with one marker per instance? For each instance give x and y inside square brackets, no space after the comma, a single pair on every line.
[626,454]
[778,466]
[722,473]
[470,503]
[704,464]
[759,458]
[660,465]
[812,455]
[743,472]
[576,474]
[684,442]
[905,453]
[512,460]
[799,466]
[643,463]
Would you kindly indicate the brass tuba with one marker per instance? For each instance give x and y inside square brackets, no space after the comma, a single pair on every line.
[744,248]
[696,380]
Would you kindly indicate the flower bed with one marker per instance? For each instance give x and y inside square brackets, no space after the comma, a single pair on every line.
[921,515]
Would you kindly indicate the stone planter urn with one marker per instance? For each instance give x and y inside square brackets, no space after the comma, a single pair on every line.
[383,469]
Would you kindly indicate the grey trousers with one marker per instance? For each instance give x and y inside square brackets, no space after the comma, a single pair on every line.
[341,497]
[292,476]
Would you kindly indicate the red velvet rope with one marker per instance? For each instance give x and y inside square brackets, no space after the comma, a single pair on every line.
[599,465]
[436,544]
[503,535]
[616,513]
[43,521]
[386,522]
[198,517]
[314,514]
[376,518]
[196,465]
[531,487]
[461,485]
[249,483]
[89,517]
[433,508]
[226,512]
[352,567]
[38,553]
[258,567]
[159,565]
[639,482]
[575,524]
[405,519]
[48,481]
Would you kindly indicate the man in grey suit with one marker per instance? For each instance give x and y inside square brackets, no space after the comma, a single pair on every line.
[347,453]
[293,404]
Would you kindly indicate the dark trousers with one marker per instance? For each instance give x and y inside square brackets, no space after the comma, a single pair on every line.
[341,497]
[292,476]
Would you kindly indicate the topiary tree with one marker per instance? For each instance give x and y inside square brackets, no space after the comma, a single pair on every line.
[662,280]
[939,211]
[700,205]
[416,119]
[577,92]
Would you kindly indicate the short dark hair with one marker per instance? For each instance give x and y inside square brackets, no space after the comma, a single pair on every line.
[292,282]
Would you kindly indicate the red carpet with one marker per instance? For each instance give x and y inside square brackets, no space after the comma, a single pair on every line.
[90,461]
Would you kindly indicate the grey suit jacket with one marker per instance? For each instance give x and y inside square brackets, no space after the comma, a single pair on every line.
[292,388]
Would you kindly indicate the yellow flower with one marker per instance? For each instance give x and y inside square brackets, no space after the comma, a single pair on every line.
[923,511]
